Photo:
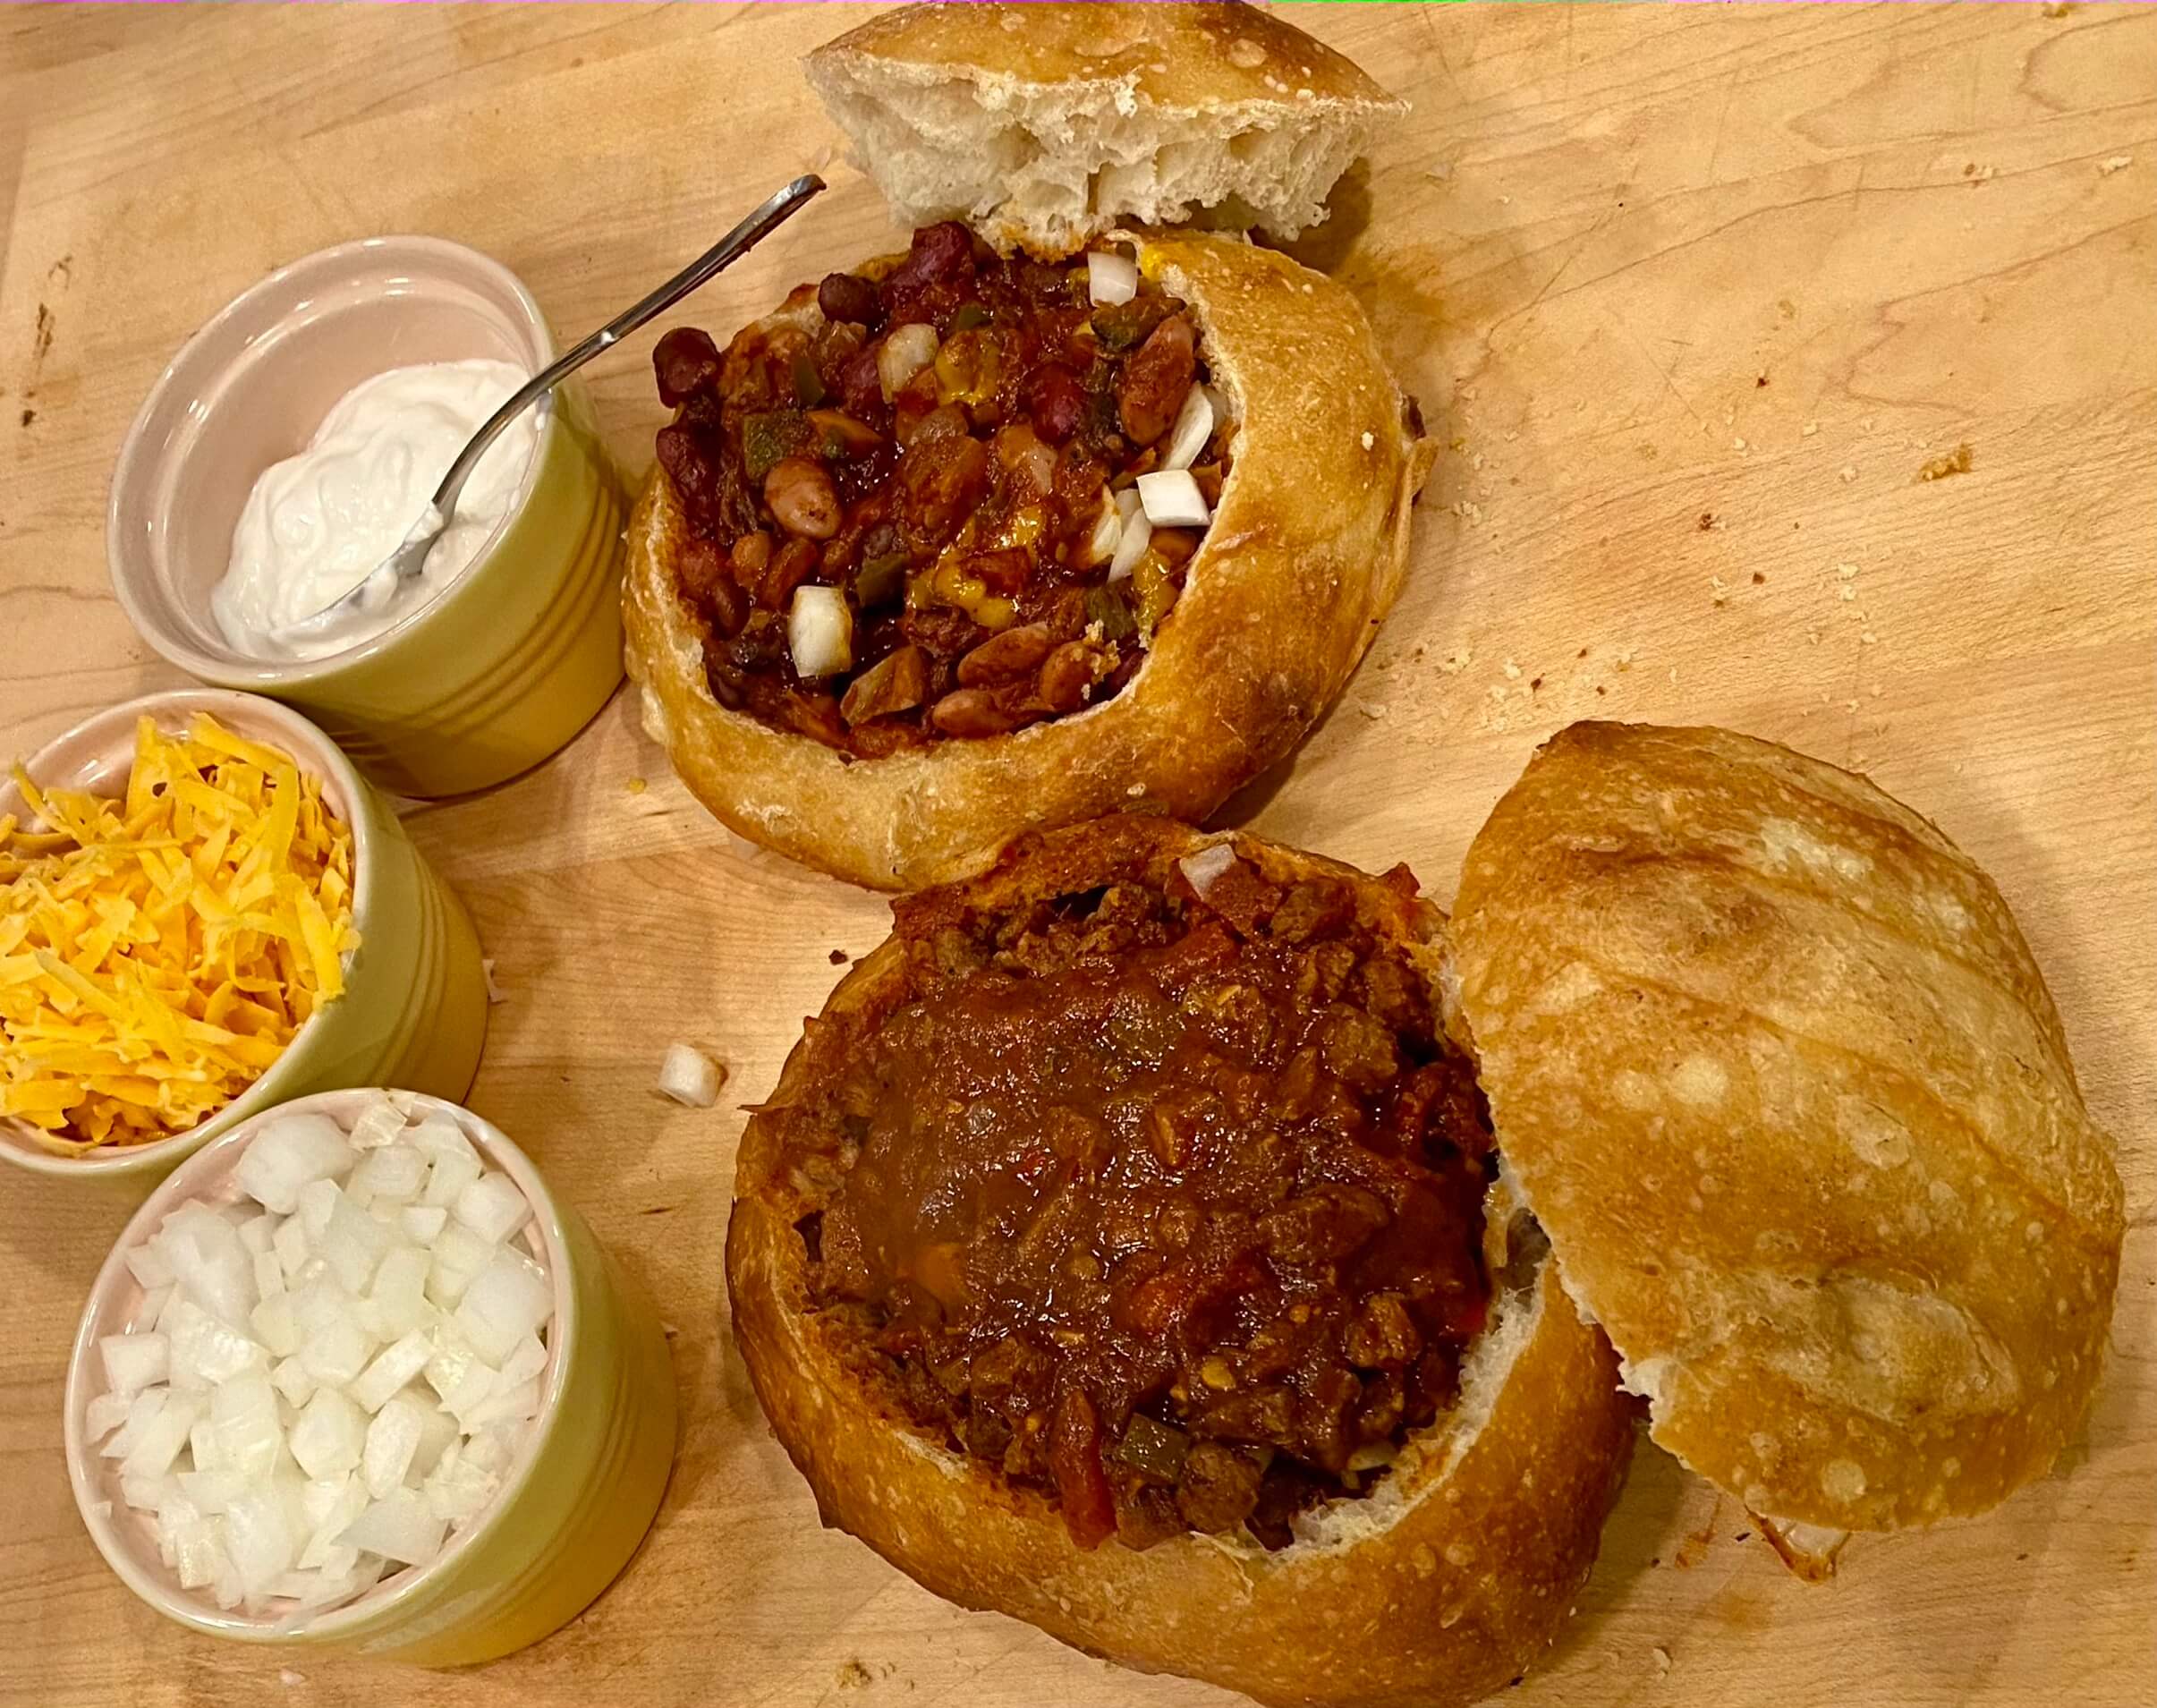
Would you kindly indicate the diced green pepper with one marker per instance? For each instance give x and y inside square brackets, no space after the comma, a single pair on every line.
[771,435]
[808,384]
[1106,606]
[880,580]
[970,316]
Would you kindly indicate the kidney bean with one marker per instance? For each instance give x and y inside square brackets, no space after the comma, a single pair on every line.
[790,566]
[845,296]
[1154,381]
[685,361]
[1069,672]
[969,712]
[1056,401]
[1015,653]
[938,255]
[729,605]
[803,500]
[861,387]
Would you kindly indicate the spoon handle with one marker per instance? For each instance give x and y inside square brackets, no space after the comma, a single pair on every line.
[721,255]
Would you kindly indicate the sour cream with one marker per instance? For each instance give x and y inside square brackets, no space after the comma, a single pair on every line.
[319,525]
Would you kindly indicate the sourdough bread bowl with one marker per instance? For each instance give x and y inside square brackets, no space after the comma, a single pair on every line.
[1782,1134]
[1436,1584]
[1312,463]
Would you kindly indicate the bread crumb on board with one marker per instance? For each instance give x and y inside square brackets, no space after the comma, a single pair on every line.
[1940,468]
[2117,163]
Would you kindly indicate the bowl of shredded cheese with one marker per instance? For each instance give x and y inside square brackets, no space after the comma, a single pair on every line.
[205,911]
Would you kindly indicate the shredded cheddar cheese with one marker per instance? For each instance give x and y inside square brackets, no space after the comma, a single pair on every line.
[159,951]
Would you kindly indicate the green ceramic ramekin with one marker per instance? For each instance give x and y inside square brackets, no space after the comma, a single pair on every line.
[571,1511]
[414,1007]
[509,661]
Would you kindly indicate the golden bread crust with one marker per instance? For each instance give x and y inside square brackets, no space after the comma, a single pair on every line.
[1205,56]
[1306,552]
[1434,1589]
[1770,1059]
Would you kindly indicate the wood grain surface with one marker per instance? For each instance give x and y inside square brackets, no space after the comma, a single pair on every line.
[1694,297]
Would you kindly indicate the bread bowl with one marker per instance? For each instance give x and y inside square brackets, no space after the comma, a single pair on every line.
[875,596]
[1649,916]
[1436,1584]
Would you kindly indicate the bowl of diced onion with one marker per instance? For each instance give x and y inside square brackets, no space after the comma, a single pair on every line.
[354,1377]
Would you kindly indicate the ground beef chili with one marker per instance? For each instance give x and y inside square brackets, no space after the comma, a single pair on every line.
[1168,1207]
[947,443]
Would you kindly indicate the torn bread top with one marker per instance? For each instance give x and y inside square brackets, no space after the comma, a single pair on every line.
[1774,1066]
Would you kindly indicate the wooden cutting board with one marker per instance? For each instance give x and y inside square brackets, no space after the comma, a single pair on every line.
[1696,299]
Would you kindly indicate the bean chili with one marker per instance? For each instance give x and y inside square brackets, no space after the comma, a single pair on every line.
[1166,1206]
[946,441]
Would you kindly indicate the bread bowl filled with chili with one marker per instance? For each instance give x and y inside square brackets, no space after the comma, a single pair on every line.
[1129,1246]
[966,541]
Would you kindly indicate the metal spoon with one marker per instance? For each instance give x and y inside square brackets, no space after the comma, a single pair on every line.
[410,557]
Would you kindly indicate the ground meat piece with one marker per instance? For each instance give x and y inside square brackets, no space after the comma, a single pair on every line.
[941,479]
[1325,1225]
[1382,1335]
[1220,1486]
[1146,1515]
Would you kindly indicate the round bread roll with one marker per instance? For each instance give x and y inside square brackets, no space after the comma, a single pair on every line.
[1772,1063]
[1305,552]
[1438,1583]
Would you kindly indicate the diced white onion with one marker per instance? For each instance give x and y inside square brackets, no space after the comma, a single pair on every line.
[1136,536]
[1171,499]
[287,1154]
[401,1527]
[1108,533]
[377,1258]
[689,1076]
[1193,430]
[906,351]
[1203,868]
[820,631]
[1110,278]
[133,1362]
[492,1207]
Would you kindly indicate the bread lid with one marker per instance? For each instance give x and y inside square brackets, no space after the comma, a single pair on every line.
[1044,124]
[1768,1057]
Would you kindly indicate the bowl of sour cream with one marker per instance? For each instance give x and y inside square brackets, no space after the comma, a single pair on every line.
[285,452]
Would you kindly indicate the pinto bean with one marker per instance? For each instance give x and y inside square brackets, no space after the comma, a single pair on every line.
[803,500]
[790,566]
[969,712]
[751,558]
[1015,653]
[1070,672]
[1155,380]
